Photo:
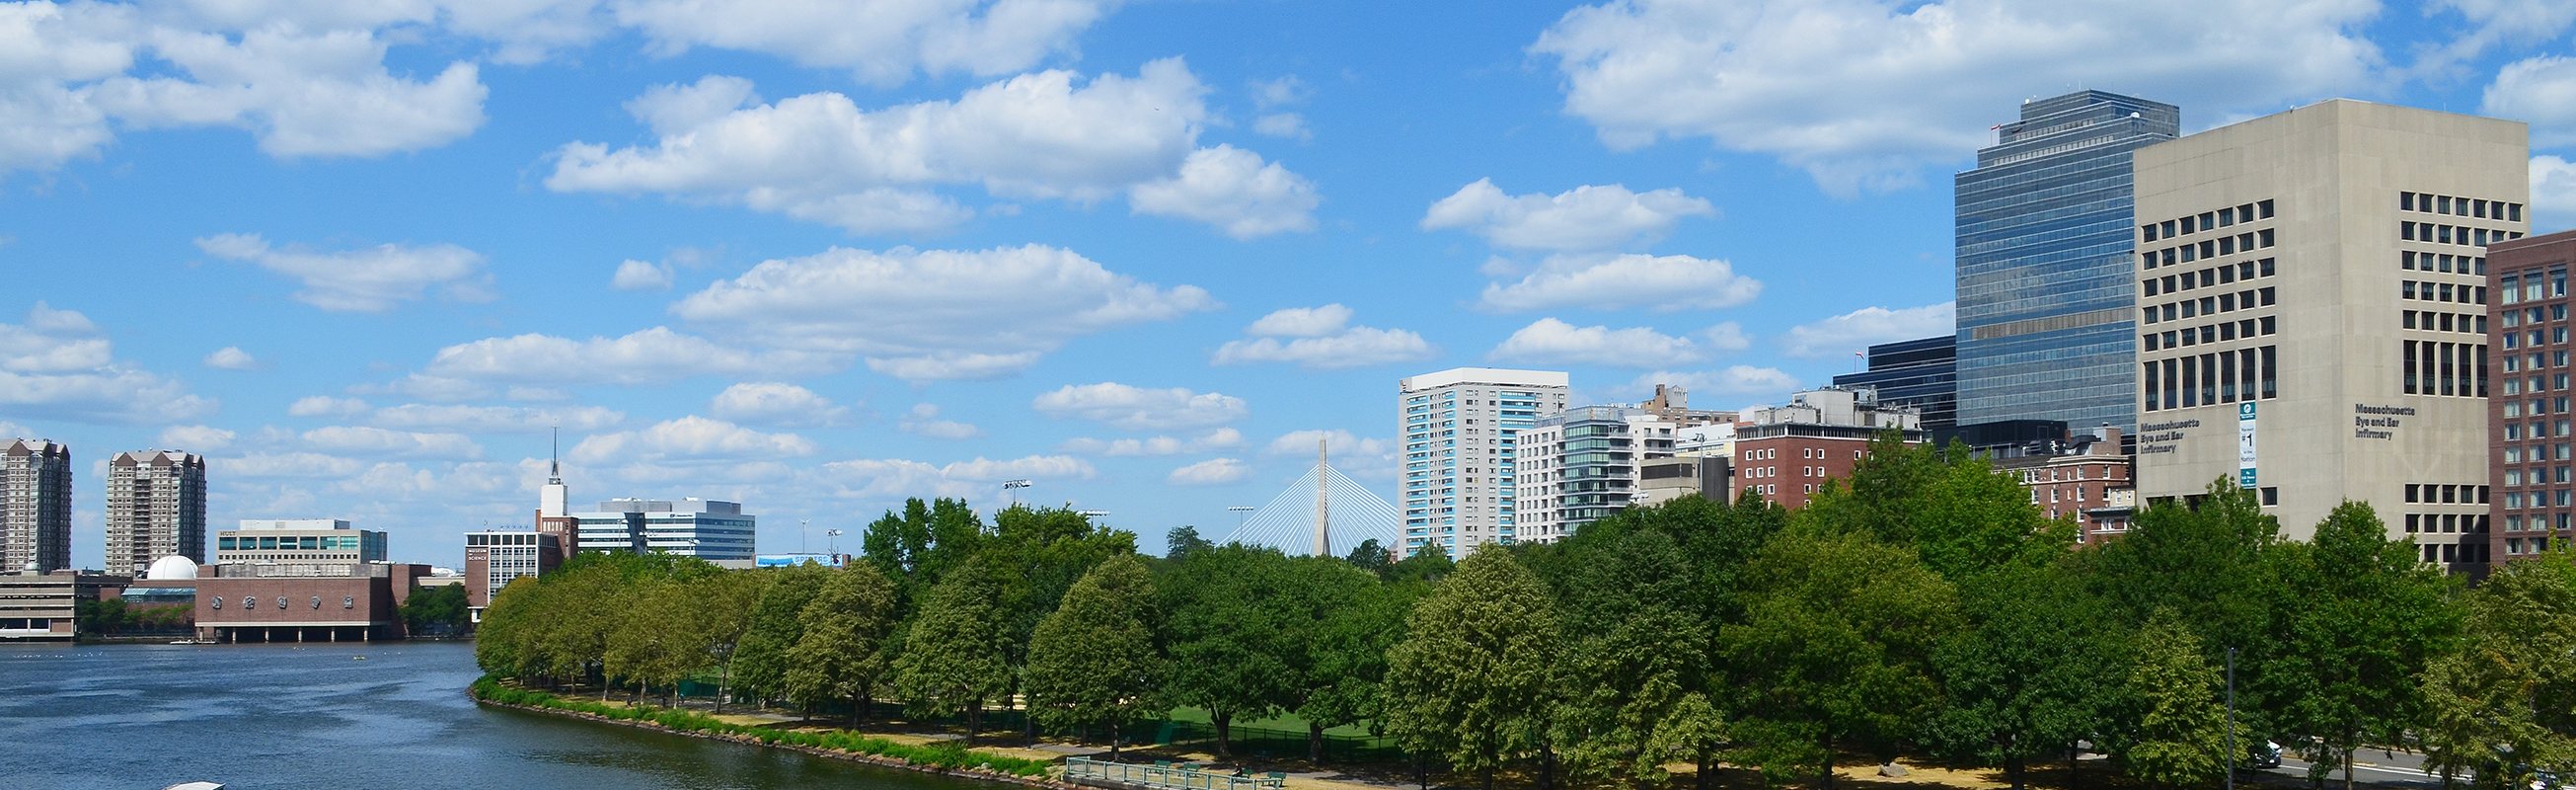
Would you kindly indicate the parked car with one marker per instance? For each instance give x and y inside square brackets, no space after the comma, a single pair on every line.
[2268,755]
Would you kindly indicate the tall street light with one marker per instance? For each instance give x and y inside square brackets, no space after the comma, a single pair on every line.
[831,543]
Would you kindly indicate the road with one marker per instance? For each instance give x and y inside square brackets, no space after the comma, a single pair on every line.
[2401,769]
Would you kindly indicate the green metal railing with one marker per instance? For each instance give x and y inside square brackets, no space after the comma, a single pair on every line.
[1165,774]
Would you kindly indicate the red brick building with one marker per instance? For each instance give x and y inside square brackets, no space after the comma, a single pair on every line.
[1786,454]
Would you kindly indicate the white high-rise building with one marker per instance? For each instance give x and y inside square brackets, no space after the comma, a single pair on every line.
[1460,430]
[35,506]
[1580,465]
[156,507]
[703,528]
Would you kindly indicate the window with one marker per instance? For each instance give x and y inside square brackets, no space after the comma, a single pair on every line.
[2406,202]
[2265,208]
[2264,236]
[2267,297]
[2267,266]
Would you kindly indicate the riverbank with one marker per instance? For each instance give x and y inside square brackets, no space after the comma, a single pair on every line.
[942,759]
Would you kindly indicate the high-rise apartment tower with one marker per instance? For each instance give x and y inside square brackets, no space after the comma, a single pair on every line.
[35,506]
[1461,428]
[156,507]
[2044,274]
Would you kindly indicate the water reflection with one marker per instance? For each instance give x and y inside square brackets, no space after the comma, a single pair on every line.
[258,717]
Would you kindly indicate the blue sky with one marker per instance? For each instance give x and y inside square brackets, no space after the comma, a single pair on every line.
[821,257]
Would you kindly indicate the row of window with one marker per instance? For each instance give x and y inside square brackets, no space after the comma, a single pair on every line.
[2214,378]
[2532,286]
[2533,337]
[2223,245]
[2423,290]
[2459,206]
[2539,523]
[2209,333]
[2206,220]
[2445,493]
[2514,455]
[2534,407]
[2455,552]
[2441,262]
[2513,431]
[2538,476]
[2451,234]
[2471,523]
[2534,316]
[2205,278]
[2514,500]
[2449,322]
[2209,305]
[2434,368]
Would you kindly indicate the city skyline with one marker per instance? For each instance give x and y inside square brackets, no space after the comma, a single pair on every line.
[1268,216]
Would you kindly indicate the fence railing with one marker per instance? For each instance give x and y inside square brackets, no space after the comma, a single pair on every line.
[1166,775]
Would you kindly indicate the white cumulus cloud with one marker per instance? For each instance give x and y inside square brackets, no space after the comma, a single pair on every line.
[819,157]
[1211,472]
[493,419]
[370,280]
[2553,185]
[317,93]
[327,406]
[1232,189]
[1580,219]
[1219,439]
[1322,338]
[924,420]
[1733,380]
[882,42]
[934,314]
[690,438]
[1613,282]
[1862,93]
[232,358]
[656,354]
[1141,408]
[635,275]
[890,479]
[355,440]
[58,365]
[199,439]
[1853,331]
[1549,341]
[774,403]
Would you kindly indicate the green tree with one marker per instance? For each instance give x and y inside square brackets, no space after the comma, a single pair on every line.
[441,607]
[2211,559]
[2181,727]
[1033,556]
[2502,704]
[841,652]
[654,640]
[1428,563]
[1632,653]
[776,625]
[1692,731]
[2028,678]
[1370,557]
[953,658]
[724,606]
[1469,682]
[2368,618]
[1836,648]
[1093,660]
[1230,631]
[1960,515]
[1347,669]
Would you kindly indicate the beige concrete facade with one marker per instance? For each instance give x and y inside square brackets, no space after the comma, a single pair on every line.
[2335,281]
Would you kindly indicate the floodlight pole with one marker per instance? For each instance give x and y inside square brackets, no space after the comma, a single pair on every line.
[2231,718]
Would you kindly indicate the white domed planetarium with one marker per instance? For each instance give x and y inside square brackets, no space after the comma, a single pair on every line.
[171,567]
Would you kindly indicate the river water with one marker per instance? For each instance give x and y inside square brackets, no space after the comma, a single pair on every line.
[263,717]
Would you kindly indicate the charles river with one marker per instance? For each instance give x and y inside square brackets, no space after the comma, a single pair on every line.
[110,717]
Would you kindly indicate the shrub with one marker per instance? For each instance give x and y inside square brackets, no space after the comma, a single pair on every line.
[941,755]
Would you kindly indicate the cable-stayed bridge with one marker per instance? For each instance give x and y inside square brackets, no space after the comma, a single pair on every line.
[1326,518]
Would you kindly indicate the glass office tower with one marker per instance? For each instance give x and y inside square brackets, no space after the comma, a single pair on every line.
[1920,373]
[2046,280]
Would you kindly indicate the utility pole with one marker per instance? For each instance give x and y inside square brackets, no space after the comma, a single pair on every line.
[2231,718]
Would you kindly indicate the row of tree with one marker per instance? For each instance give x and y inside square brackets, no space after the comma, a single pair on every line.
[1924,606]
